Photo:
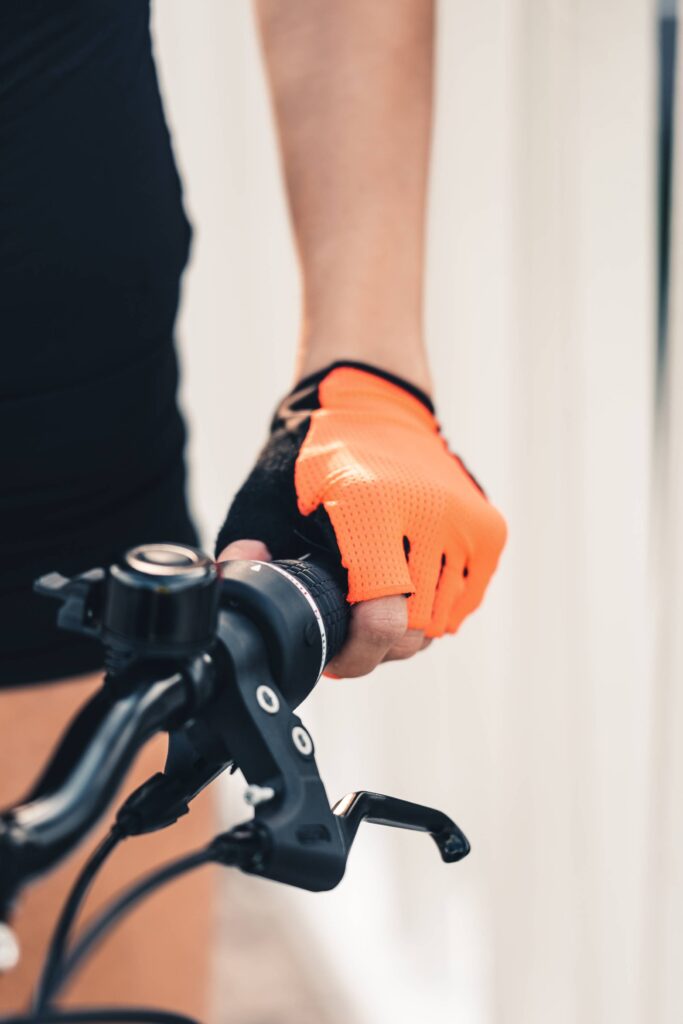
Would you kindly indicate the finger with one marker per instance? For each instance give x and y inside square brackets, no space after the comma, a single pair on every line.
[481,568]
[450,588]
[424,572]
[245,550]
[469,600]
[375,627]
[410,643]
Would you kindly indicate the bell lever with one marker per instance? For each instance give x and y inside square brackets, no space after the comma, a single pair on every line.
[81,599]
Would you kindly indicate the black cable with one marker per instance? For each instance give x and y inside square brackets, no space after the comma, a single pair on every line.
[118,907]
[102,1015]
[154,805]
[60,936]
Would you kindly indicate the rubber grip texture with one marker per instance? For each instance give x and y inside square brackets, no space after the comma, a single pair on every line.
[323,585]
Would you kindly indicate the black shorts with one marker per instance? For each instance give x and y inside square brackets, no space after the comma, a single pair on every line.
[32,649]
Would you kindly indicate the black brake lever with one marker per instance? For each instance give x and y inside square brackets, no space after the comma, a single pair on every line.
[355,808]
[297,838]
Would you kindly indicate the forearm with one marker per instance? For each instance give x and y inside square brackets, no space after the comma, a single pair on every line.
[352,95]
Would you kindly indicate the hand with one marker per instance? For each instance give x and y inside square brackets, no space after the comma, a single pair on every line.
[356,466]
[378,630]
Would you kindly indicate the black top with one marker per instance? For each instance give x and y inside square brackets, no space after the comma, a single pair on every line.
[93,240]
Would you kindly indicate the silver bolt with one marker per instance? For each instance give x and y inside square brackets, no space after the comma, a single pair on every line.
[302,741]
[255,795]
[267,699]
[9,948]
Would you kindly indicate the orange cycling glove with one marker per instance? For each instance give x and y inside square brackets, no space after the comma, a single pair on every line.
[356,466]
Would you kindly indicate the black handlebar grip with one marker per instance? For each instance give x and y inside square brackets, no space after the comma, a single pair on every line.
[301,610]
[325,587]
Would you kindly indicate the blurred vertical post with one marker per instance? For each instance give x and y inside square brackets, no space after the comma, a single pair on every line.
[667,77]
[663,942]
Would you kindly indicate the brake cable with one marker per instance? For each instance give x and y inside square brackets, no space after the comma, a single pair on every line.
[60,937]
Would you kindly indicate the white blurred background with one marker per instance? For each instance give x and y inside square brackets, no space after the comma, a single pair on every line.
[550,728]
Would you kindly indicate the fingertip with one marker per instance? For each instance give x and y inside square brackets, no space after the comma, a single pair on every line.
[455,621]
[375,626]
[245,550]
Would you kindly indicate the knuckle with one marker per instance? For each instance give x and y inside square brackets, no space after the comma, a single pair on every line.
[492,524]
[352,662]
[382,634]
[495,529]
[407,646]
[383,622]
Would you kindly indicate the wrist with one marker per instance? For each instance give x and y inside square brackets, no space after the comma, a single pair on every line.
[404,359]
[310,382]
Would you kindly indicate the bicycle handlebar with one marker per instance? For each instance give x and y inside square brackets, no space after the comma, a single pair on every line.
[218,656]
[82,777]
[161,604]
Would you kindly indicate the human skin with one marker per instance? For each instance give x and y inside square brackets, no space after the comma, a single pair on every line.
[351,86]
[158,956]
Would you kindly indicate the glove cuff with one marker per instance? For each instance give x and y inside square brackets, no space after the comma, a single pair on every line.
[312,380]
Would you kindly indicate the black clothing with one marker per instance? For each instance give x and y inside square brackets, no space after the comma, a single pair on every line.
[93,241]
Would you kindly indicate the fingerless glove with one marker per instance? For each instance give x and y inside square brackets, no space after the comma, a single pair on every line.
[356,467]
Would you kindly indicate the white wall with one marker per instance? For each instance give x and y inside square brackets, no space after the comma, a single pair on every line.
[533,726]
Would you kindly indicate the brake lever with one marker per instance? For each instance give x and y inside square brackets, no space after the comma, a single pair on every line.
[295,836]
[378,809]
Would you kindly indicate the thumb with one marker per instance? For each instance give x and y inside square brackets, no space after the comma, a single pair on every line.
[245,550]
